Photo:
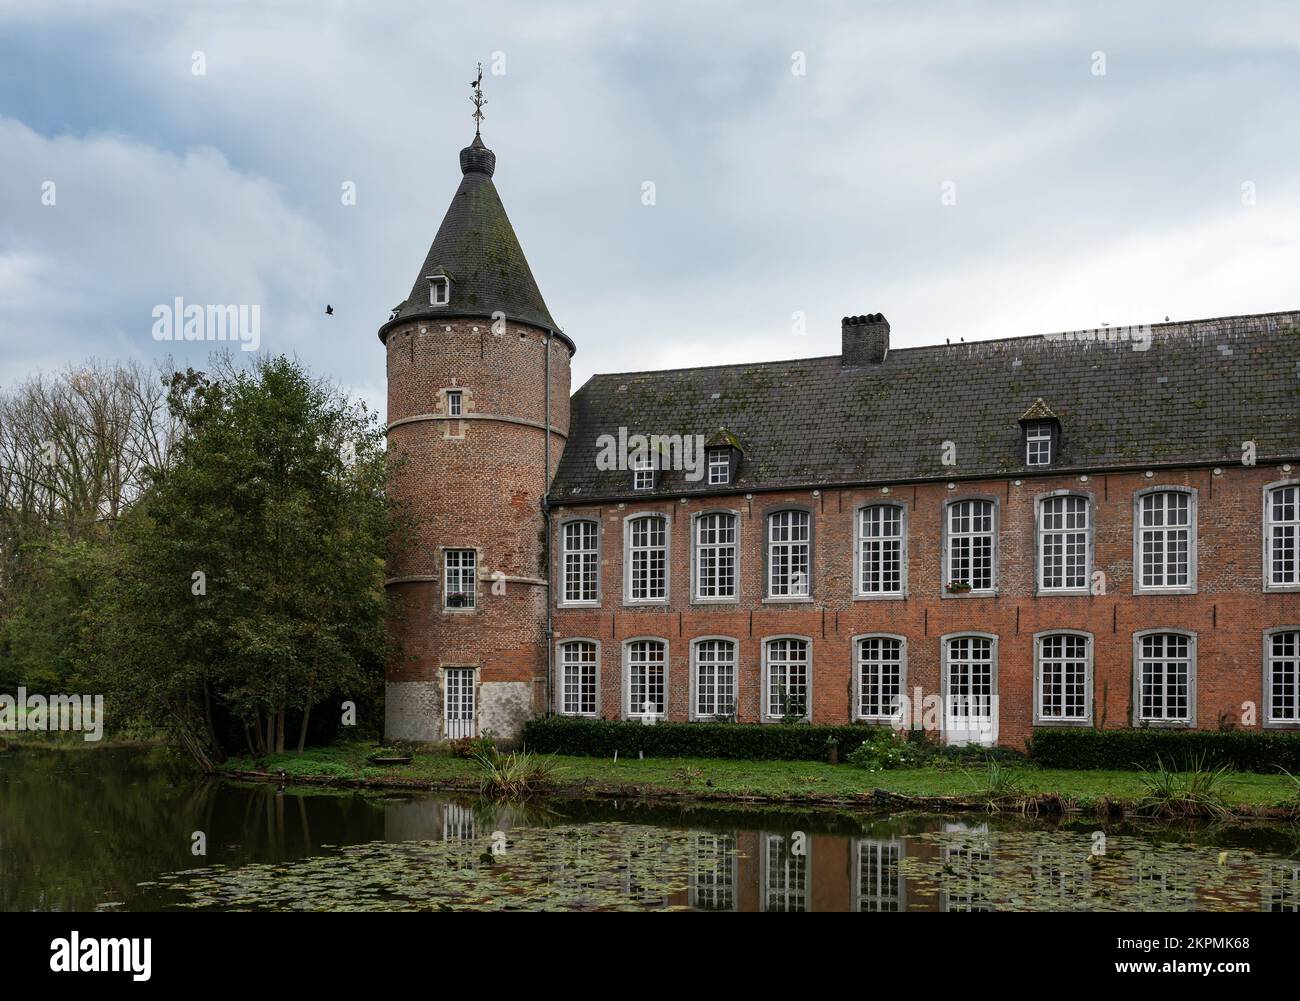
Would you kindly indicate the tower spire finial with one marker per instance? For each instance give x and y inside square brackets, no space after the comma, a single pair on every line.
[479,99]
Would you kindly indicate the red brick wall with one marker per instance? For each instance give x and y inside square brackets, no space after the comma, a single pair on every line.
[474,484]
[1228,614]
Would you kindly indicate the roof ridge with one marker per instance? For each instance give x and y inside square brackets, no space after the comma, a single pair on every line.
[1051,336]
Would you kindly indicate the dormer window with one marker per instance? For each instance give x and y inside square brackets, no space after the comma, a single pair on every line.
[439,290]
[1038,444]
[453,403]
[643,472]
[719,460]
[1040,434]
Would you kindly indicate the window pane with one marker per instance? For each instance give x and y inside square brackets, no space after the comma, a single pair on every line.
[578,678]
[879,677]
[648,575]
[715,678]
[645,667]
[880,549]
[1284,677]
[1063,677]
[787,678]
[1165,675]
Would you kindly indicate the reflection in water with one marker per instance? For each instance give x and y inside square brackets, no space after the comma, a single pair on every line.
[80,830]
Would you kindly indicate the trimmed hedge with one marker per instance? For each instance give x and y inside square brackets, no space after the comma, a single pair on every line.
[1128,750]
[600,738]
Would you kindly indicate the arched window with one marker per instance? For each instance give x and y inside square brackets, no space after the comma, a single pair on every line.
[645,669]
[580,549]
[970,530]
[578,681]
[787,669]
[1164,525]
[1164,677]
[1282,537]
[647,558]
[1063,676]
[880,667]
[715,556]
[1282,677]
[882,549]
[1064,527]
[714,664]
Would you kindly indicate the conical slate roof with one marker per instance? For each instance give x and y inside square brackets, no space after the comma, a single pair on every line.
[476,248]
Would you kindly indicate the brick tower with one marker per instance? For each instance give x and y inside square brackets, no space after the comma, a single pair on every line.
[477,373]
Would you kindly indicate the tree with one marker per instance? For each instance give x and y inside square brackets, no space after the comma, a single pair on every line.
[250,574]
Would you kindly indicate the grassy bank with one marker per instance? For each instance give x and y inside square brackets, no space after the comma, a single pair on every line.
[770,781]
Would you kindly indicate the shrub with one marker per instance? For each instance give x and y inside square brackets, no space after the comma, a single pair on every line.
[883,751]
[756,742]
[513,775]
[473,747]
[1146,748]
[1193,792]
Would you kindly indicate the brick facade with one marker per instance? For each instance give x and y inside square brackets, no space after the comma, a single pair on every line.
[1228,613]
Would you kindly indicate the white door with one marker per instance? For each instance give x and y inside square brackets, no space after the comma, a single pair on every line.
[970,703]
[458,703]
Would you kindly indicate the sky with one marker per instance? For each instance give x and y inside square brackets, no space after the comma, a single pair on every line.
[970,170]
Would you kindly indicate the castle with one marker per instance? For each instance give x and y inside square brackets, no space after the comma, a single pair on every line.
[1043,531]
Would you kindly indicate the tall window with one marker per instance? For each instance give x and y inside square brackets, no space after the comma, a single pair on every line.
[453,403]
[971,545]
[439,291]
[1038,444]
[1282,537]
[1165,539]
[648,558]
[713,872]
[458,703]
[1063,544]
[459,578]
[785,873]
[578,678]
[715,678]
[719,467]
[1165,670]
[880,550]
[647,667]
[715,556]
[1282,676]
[970,689]
[787,678]
[1063,678]
[789,544]
[581,561]
[880,677]
[880,877]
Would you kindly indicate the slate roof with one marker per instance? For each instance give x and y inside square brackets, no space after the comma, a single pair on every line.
[477,249]
[1198,390]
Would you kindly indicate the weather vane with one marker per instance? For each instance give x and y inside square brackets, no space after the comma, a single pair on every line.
[479,99]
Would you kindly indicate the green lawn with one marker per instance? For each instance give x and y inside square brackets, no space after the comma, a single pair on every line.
[709,777]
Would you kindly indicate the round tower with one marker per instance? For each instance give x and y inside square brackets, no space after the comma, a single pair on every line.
[477,373]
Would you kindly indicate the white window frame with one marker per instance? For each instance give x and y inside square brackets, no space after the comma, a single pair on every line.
[1269,660]
[859,662]
[1040,642]
[583,557]
[439,290]
[714,888]
[863,543]
[1140,531]
[454,729]
[699,549]
[718,461]
[951,539]
[1038,442]
[459,574]
[765,709]
[643,472]
[1187,723]
[1269,524]
[969,728]
[790,548]
[564,664]
[697,686]
[630,553]
[455,402]
[1043,534]
[883,859]
[628,646]
[795,882]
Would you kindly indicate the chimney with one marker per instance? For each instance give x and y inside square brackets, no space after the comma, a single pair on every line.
[865,340]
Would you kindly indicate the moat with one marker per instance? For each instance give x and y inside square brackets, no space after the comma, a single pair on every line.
[114,829]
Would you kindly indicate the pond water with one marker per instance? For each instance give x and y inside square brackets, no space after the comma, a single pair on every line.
[113,828]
